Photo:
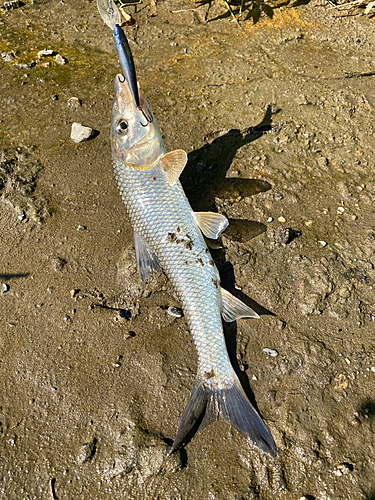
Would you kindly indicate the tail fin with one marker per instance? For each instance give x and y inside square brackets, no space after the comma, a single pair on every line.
[207,404]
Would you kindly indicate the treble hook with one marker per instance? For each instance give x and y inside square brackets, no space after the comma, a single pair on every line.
[149,119]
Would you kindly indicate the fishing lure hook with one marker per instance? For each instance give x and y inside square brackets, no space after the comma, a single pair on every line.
[149,119]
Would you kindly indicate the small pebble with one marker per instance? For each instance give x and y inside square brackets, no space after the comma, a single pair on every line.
[80,133]
[308,223]
[176,312]
[281,219]
[342,469]
[73,103]
[271,352]
[323,243]
[340,210]
[58,264]
[283,236]
[355,422]
[87,452]
[45,52]
[373,369]
[270,219]
[4,288]
[60,59]
[13,4]
[271,396]
[8,56]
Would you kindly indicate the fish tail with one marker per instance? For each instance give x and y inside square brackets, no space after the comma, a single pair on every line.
[208,403]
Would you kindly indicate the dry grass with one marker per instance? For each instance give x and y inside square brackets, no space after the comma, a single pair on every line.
[369,6]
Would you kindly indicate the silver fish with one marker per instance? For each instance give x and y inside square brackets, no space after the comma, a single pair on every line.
[169,235]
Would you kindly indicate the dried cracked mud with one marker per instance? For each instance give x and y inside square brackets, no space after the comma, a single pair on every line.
[278,119]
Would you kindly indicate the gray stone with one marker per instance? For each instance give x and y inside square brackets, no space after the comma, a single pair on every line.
[80,133]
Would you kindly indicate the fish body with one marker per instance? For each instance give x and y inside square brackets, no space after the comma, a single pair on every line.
[168,235]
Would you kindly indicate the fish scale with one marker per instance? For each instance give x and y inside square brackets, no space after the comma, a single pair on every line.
[168,235]
[163,212]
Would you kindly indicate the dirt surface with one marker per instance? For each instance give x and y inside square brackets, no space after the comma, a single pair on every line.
[278,121]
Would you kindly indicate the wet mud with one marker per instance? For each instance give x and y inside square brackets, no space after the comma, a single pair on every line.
[278,120]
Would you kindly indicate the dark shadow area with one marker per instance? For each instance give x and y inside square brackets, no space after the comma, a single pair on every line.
[230,332]
[203,178]
[228,282]
[94,134]
[367,409]
[243,10]
[124,313]
[244,230]
[372,496]
[7,277]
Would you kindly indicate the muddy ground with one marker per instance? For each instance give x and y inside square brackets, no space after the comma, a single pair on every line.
[94,372]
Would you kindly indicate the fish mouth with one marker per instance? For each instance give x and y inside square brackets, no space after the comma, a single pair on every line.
[125,102]
[123,98]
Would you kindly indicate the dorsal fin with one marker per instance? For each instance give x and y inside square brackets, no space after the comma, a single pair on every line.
[173,164]
[210,223]
[234,308]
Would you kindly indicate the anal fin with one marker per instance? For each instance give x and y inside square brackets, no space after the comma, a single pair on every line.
[147,261]
[234,308]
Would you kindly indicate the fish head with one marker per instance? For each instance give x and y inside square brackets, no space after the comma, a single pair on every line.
[135,136]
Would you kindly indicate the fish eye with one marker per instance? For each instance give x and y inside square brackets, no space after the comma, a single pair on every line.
[121,127]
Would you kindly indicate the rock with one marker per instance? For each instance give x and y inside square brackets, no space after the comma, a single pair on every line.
[271,352]
[342,469]
[282,235]
[8,56]
[58,264]
[176,312]
[45,52]
[73,103]
[60,59]
[87,452]
[13,4]
[80,133]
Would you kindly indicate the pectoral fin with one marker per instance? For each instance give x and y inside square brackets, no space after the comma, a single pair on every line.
[210,223]
[173,164]
[147,262]
[234,308]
